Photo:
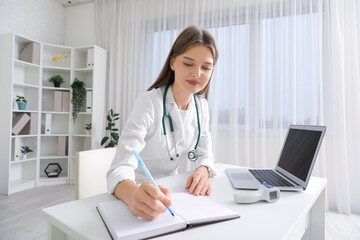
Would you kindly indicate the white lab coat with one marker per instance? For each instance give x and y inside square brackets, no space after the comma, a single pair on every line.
[144,133]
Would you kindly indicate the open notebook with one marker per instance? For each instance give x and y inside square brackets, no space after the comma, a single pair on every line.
[189,210]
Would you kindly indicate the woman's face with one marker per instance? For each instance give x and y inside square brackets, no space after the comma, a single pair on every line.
[193,69]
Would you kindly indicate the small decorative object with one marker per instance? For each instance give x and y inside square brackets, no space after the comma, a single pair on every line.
[78,97]
[21,101]
[58,58]
[88,127]
[25,150]
[57,80]
[114,136]
[53,170]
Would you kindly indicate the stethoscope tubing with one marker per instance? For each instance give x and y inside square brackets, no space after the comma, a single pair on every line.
[192,155]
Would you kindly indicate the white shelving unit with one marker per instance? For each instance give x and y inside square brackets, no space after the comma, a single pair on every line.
[31,81]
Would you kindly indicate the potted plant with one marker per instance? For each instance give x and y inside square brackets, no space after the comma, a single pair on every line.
[88,127]
[78,97]
[25,150]
[57,80]
[21,101]
[114,136]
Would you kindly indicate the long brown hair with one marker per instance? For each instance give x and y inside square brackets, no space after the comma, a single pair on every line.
[188,38]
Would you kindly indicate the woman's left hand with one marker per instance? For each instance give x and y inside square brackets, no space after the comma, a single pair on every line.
[198,183]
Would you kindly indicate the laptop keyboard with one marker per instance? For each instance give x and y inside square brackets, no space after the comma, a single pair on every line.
[270,178]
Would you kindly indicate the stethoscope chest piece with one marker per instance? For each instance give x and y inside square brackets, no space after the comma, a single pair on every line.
[192,155]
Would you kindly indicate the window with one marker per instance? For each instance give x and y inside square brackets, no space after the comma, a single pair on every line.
[267,73]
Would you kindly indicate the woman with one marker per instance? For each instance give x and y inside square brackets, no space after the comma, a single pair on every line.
[169,124]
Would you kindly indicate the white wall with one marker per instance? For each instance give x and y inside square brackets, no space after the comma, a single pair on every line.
[80,25]
[48,21]
[40,20]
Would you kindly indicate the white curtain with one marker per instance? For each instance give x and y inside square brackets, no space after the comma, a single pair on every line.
[281,62]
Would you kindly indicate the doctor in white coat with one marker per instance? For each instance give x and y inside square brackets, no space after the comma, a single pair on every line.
[168,126]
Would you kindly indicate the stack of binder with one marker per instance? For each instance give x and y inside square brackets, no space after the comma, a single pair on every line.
[61,101]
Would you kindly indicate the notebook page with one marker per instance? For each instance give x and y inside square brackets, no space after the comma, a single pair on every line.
[123,224]
[199,209]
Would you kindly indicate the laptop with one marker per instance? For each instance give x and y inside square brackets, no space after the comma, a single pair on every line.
[294,166]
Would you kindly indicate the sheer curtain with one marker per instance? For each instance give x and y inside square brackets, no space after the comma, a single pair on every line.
[281,62]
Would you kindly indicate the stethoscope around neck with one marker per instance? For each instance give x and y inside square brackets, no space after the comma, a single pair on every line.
[192,155]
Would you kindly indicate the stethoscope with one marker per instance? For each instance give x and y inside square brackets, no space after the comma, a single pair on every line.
[192,155]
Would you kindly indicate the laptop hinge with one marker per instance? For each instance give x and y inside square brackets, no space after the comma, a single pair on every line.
[288,179]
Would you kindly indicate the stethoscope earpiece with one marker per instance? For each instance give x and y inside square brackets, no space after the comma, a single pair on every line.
[192,155]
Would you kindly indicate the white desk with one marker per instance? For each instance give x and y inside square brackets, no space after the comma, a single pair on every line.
[295,215]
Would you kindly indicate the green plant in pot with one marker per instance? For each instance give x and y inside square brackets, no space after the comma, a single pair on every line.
[78,97]
[112,140]
[25,150]
[57,80]
[21,101]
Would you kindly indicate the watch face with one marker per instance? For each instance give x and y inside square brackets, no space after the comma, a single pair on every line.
[273,195]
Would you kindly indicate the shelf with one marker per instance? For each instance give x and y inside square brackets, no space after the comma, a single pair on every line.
[23,136]
[46,181]
[56,88]
[25,85]
[24,64]
[23,160]
[54,135]
[56,69]
[53,157]
[49,109]
[51,112]
[60,178]
[20,182]
[24,111]
[84,70]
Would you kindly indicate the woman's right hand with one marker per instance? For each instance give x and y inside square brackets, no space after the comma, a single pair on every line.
[148,202]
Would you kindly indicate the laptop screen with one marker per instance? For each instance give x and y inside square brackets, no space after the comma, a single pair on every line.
[299,151]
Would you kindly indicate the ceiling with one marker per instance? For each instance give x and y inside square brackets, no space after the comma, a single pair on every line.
[68,3]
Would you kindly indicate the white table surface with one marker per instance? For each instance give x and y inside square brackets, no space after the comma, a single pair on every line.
[289,218]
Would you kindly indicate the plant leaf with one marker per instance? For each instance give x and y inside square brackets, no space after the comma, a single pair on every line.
[113,144]
[114,136]
[103,141]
